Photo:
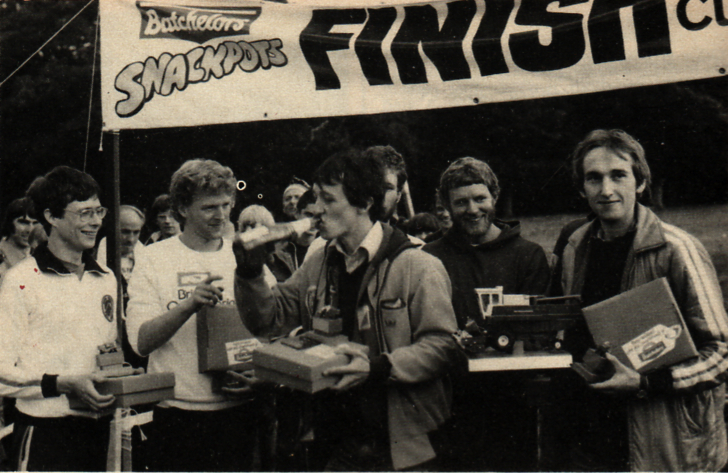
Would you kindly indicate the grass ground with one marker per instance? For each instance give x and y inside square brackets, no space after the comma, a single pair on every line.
[709,224]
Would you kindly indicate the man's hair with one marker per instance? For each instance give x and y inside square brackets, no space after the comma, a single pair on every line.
[162,203]
[390,159]
[255,214]
[17,208]
[61,186]
[307,198]
[132,209]
[199,176]
[422,222]
[617,141]
[361,177]
[465,172]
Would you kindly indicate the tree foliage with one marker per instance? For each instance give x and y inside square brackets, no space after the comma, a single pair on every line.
[44,110]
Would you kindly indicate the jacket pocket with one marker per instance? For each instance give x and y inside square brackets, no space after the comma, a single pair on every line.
[698,412]
[396,326]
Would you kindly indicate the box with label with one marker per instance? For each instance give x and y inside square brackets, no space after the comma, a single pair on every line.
[299,362]
[133,390]
[643,326]
[223,342]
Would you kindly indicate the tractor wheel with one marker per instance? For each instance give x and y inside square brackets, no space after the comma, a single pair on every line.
[504,341]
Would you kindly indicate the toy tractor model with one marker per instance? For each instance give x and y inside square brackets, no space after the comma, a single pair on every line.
[537,321]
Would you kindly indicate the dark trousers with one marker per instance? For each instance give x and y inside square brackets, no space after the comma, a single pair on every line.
[180,440]
[492,428]
[60,444]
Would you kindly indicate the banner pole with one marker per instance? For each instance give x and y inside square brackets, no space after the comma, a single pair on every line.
[112,186]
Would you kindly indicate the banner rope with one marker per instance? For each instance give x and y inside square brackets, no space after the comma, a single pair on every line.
[91,92]
[46,43]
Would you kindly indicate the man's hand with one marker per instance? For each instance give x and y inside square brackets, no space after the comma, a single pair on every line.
[82,387]
[250,262]
[353,374]
[206,294]
[242,384]
[624,380]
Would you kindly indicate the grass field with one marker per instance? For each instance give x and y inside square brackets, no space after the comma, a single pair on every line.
[709,224]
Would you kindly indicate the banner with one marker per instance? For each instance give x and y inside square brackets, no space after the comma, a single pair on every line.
[175,63]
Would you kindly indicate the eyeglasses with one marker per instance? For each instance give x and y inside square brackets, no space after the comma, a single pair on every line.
[85,215]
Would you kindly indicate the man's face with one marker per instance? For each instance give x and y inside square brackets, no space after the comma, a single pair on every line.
[168,225]
[290,200]
[207,215]
[443,215]
[22,226]
[308,236]
[131,225]
[610,186]
[391,194]
[337,217]
[473,210]
[79,225]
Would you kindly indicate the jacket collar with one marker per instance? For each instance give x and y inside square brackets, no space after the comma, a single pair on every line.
[390,244]
[509,231]
[48,262]
[649,233]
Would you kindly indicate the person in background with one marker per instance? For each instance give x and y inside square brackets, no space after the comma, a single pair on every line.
[131,221]
[442,213]
[422,225]
[291,194]
[56,309]
[395,179]
[493,426]
[38,236]
[290,254]
[670,418]
[16,230]
[16,245]
[162,216]
[254,216]
[201,429]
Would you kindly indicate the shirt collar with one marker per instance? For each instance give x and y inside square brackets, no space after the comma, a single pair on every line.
[366,250]
[48,262]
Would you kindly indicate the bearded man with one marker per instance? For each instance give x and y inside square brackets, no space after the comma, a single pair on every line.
[493,428]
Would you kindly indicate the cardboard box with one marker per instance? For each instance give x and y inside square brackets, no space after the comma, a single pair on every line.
[299,362]
[136,383]
[223,342]
[133,390]
[328,326]
[104,360]
[643,327]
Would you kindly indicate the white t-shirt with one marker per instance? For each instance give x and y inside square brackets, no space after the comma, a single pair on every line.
[165,274]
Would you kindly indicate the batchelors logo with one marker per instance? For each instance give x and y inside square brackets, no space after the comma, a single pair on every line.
[198,24]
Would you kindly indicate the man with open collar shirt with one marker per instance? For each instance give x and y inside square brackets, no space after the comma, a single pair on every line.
[669,419]
[393,298]
[56,308]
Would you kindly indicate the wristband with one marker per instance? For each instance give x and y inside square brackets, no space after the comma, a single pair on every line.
[49,385]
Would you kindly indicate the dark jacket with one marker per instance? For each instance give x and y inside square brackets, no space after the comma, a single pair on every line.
[511,261]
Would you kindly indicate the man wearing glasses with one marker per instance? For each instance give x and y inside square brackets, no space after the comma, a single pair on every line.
[56,308]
